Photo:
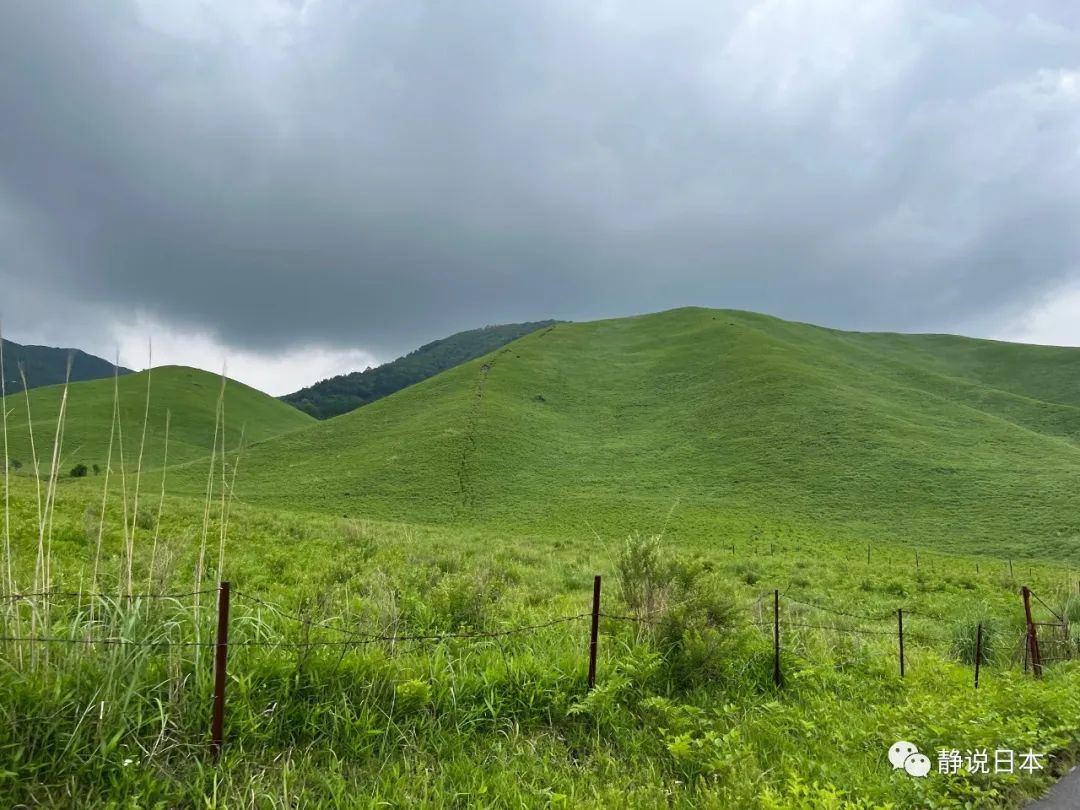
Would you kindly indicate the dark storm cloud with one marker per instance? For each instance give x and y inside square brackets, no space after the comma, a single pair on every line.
[359,173]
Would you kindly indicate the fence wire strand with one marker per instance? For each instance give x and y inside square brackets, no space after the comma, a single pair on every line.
[28,597]
[1054,612]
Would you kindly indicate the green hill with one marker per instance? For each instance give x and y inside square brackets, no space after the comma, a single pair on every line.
[346,392]
[45,365]
[714,421]
[189,394]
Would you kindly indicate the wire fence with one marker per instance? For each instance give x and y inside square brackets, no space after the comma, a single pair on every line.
[1041,643]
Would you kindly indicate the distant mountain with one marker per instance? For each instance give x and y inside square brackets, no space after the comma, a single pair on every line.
[46,365]
[346,392]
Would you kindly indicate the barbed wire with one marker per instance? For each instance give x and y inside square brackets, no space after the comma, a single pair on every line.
[922,613]
[851,615]
[1041,602]
[297,618]
[864,632]
[437,637]
[637,619]
[16,597]
[835,629]
[861,657]
[123,642]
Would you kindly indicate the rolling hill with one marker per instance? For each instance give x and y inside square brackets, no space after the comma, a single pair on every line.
[45,365]
[711,422]
[347,392]
[189,394]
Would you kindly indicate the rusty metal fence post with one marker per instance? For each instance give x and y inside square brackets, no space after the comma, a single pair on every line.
[1032,637]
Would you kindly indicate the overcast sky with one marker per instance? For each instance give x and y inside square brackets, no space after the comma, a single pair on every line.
[307,187]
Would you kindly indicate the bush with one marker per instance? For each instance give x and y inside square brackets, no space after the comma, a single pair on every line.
[97,469]
[14,464]
[965,637]
[643,575]
[659,585]
[688,615]
[359,536]
[1071,610]
[748,573]
[79,470]
[145,518]
[412,696]
[459,600]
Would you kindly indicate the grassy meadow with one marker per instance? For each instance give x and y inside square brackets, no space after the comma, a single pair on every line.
[385,565]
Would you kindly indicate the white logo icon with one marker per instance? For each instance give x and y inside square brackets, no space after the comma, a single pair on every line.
[905,755]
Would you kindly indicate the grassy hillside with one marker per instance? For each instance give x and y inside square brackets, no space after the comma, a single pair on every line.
[189,394]
[46,365]
[347,392]
[714,421]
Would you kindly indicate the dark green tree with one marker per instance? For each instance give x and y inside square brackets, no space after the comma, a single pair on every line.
[346,392]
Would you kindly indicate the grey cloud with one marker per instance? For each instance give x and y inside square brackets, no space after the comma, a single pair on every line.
[376,174]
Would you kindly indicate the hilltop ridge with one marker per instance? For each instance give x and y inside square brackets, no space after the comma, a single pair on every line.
[710,419]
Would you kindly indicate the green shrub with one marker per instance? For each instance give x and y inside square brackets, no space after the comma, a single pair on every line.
[643,575]
[896,588]
[462,600]
[412,696]
[360,539]
[687,614]
[79,470]
[965,637]
[748,573]
[145,518]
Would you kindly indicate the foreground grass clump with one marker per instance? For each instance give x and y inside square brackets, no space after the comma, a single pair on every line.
[685,712]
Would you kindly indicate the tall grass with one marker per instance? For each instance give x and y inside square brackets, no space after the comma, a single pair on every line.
[130,551]
[123,467]
[201,562]
[42,576]
[227,505]
[33,445]
[11,607]
[54,481]
[108,472]
[8,575]
[161,506]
